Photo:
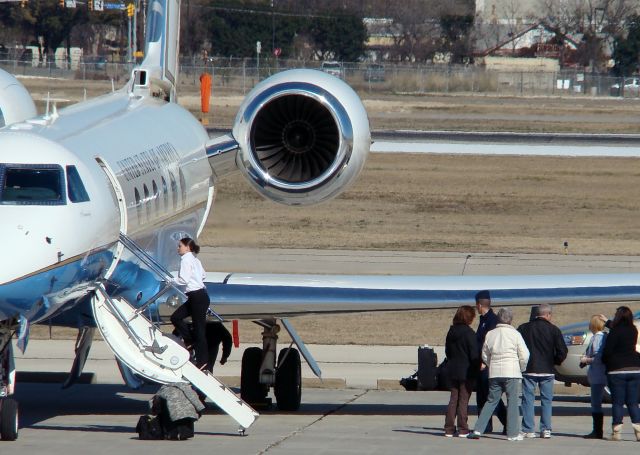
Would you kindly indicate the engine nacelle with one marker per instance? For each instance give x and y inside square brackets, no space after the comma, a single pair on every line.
[303,136]
[16,104]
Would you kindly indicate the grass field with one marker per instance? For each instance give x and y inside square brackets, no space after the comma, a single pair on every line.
[442,203]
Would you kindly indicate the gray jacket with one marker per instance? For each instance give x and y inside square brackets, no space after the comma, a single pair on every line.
[182,401]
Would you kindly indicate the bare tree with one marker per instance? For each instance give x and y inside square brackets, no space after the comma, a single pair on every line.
[596,21]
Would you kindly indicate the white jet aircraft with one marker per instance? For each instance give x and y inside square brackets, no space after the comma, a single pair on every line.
[94,198]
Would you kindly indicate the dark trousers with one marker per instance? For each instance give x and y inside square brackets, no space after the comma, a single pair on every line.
[458,407]
[624,390]
[482,394]
[196,306]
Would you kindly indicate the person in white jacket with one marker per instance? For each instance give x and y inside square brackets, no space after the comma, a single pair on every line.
[506,354]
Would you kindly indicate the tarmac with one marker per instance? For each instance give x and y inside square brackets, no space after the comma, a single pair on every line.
[357,408]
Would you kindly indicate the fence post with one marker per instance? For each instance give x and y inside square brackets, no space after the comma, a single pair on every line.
[244,76]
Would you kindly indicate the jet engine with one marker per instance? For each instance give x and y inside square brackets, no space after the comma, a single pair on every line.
[303,137]
[16,104]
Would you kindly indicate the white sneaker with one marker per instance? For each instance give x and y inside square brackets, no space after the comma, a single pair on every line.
[529,435]
[520,437]
[546,434]
[448,435]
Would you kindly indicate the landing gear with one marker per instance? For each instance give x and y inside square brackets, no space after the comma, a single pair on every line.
[288,387]
[251,390]
[260,372]
[9,419]
[8,405]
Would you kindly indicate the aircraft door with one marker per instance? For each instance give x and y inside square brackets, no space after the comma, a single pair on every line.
[118,196]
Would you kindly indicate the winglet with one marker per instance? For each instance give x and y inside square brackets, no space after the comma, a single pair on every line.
[162,46]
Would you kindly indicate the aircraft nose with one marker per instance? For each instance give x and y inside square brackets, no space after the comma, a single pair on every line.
[24,246]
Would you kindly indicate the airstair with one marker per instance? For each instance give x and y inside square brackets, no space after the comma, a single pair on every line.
[141,346]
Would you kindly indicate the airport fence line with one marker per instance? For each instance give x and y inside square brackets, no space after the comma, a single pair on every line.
[238,76]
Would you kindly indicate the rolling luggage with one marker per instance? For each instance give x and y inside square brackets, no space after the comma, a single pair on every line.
[427,368]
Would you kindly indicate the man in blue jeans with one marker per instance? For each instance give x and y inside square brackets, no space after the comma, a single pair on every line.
[547,348]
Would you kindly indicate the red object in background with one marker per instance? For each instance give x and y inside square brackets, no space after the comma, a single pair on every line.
[205,91]
[236,335]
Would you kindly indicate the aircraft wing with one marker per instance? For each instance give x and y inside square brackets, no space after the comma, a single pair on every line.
[275,295]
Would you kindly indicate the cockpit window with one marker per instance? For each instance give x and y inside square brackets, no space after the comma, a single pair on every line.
[75,187]
[32,184]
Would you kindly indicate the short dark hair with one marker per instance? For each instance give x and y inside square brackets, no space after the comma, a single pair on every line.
[191,244]
[464,315]
[623,316]
[483,295]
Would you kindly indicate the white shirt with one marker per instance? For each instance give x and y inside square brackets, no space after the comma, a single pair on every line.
[191,273]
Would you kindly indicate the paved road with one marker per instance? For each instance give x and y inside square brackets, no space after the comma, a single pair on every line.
[100,419]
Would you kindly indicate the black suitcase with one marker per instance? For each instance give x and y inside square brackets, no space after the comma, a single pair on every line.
[427,368]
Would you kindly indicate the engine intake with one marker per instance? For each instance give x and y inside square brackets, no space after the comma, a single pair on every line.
[303,135]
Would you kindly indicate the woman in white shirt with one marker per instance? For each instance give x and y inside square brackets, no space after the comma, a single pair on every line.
[191,276]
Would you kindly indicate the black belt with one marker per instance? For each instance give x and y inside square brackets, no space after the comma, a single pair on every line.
[196,291]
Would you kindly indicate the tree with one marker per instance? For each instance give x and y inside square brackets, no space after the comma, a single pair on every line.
[338,37]
[456,33]
[626,52]
[234,31]
[598,21]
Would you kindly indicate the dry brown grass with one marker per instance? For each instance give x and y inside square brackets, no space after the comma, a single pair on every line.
[450,203]
[443,203]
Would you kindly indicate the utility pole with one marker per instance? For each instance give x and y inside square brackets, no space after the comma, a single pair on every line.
[273,29]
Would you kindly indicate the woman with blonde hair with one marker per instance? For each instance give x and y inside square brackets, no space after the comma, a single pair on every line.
[596,373]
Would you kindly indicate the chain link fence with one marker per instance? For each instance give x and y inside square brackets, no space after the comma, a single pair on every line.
[238,76]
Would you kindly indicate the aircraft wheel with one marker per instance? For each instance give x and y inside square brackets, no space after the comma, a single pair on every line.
[251,390]
[9,419]
[288,388]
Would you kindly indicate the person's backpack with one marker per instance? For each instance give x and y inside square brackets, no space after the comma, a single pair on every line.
[149,427]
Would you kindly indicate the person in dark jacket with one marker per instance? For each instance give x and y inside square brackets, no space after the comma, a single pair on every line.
[218,334]
[488,321]
[622,363]
[462,362]
[547,348]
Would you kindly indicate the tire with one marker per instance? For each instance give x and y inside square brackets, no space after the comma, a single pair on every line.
[288,388]
[9,419]
[251,390]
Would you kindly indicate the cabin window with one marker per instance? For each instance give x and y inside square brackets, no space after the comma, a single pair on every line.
[183,188]
[136,193]
[165,193]
[32,184]
[156,198]
[146,200]
[75,187]
[174,191]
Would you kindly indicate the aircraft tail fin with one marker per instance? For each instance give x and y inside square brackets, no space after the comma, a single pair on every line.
[162,46]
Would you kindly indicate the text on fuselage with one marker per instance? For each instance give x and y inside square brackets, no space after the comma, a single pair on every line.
[148,161]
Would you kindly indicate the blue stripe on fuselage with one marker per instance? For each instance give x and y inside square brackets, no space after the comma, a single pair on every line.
[51,292]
